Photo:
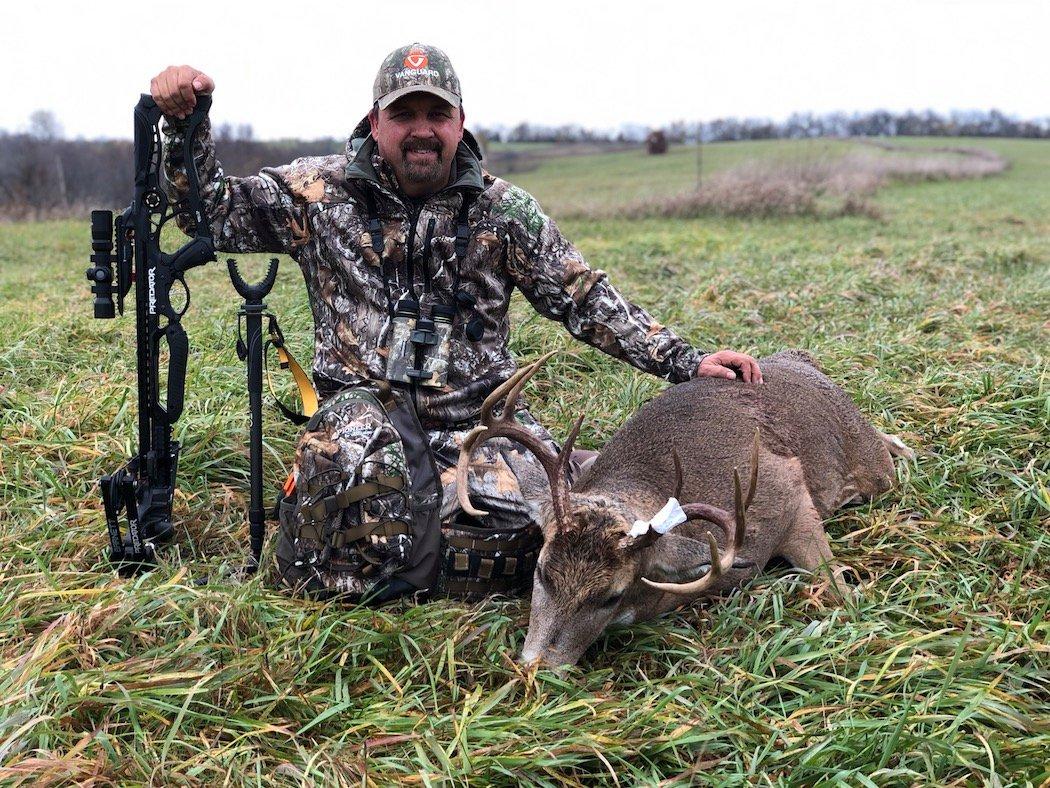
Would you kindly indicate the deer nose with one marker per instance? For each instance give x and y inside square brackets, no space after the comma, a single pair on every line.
[546,659]
[544,648]
[528,658]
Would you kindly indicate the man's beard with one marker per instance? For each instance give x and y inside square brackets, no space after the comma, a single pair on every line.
[423,172]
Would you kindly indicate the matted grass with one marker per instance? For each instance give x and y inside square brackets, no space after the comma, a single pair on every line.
[934,318]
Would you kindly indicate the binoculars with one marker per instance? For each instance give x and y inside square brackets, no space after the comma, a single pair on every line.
[418,349]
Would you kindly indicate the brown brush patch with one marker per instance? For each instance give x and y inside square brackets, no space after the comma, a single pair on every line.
[822,187]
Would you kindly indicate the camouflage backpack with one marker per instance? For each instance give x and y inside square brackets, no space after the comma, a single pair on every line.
[370,532]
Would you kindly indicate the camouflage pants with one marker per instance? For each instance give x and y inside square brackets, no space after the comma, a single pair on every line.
[353,443]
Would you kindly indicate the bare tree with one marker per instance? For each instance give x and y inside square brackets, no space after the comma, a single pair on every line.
[43,125]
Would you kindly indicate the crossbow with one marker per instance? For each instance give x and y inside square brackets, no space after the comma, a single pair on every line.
[144,488]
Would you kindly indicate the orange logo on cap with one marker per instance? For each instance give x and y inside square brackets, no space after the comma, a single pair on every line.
[416,58]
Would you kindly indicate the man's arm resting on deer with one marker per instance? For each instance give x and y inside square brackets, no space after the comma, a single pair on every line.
[252,214]
[556,280]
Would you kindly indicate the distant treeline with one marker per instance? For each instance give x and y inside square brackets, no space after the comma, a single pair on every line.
[801,125]
[42,174]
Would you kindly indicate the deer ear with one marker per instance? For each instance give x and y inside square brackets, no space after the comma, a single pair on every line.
[675,559]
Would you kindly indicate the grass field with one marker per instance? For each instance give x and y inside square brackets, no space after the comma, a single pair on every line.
[935,318]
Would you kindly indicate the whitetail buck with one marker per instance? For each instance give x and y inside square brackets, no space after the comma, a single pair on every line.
[800,436]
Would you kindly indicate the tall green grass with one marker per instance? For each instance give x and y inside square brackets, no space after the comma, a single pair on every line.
[934,318]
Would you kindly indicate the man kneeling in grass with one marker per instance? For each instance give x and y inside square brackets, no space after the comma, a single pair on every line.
[407,219]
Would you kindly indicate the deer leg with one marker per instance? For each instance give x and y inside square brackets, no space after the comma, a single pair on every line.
[806,546]
[667,602]
[741,572]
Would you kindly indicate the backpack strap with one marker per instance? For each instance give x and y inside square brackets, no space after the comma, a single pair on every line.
[332,503]
[375,231]
[462,238]
[462,228]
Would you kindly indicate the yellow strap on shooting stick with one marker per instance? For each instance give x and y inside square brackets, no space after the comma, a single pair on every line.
[302,380]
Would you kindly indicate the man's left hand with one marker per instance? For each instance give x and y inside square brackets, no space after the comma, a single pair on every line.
[725,363]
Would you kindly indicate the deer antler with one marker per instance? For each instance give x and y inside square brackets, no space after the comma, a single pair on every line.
[505,426]
[737,527]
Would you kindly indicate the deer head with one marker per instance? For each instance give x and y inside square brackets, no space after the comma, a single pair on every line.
[601,562]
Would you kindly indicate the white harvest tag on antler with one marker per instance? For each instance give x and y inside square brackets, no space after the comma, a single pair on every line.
[663,521]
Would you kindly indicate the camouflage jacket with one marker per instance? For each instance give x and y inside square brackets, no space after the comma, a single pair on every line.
[316,211]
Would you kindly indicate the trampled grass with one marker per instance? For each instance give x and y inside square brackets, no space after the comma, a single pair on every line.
[935,318]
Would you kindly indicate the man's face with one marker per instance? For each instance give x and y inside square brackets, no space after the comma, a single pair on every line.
[417,135]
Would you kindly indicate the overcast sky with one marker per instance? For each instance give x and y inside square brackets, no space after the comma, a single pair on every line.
[305,69]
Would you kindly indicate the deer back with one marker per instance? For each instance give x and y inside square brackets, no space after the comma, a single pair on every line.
[710,423]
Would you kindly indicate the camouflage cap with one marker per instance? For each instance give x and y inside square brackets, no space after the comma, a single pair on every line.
[412,68]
